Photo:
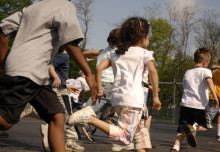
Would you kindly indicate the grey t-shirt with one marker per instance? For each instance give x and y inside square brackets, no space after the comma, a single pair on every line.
[40,30]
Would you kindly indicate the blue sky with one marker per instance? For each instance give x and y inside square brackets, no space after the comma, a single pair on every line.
[107,14]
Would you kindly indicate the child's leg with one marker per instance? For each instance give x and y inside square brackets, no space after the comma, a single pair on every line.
[179,139]
[4,125]
[147,122]
[56,133]
[218,124]
[105,127]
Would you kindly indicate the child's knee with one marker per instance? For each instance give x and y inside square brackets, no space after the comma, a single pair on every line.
[59,117]
[218,113]
[5,126]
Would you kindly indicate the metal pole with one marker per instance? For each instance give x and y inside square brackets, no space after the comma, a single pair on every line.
[174,95]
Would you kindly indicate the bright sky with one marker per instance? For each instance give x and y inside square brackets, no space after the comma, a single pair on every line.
[107,14]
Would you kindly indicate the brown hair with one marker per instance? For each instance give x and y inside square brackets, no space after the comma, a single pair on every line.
[113,37]
[201,54]
[132,31]
[217,61]
[81,73]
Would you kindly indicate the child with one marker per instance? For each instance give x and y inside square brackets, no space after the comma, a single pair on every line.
[39,33]
[128,63]
[212,112]
[104,105]
[195,98]
[79,84]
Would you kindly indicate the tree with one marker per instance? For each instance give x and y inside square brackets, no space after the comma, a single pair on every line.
[85,17]
[161,44]
[8,7]
[208,33]
[183,21]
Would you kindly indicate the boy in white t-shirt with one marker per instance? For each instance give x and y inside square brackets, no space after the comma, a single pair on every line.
[77,86]
[196,82]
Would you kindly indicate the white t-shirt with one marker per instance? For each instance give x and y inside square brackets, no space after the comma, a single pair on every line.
[107,74]
[195,93]
[127,89]
[80,83]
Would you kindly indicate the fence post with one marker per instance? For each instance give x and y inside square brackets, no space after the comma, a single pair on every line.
[174,95]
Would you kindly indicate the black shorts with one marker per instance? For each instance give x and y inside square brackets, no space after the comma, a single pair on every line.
[190,116]
[16,92]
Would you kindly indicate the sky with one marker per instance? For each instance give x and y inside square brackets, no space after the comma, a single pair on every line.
[108,14]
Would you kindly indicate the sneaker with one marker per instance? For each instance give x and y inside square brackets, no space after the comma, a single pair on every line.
[190,135]
[120,147]
[4,134]
[81,117]
[112,122]
[109,112]
[87,134]
[218,138]
[173,150]
[44,133]
[72,146]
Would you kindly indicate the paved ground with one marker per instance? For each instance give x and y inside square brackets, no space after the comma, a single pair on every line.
[26,137]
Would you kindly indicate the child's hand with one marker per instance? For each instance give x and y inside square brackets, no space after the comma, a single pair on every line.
[99,95]
[215,103]
[93,86]
[57,82]
[156,103]
[74,90]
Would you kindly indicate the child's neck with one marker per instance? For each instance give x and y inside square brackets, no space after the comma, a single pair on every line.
[198,65]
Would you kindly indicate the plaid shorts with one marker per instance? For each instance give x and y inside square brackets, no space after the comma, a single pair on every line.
[130,128]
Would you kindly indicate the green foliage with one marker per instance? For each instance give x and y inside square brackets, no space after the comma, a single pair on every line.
[74,73]
[74,68]
[8,7]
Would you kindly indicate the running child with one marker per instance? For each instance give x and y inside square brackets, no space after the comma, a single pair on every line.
[196,82]
[128,62]
[212,112]
[104,105]
[24,74]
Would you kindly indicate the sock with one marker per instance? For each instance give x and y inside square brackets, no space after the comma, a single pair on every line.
[195,126]
[176,147]
[218,128]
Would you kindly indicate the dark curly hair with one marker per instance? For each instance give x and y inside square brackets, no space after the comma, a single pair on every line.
[131,32]
[114,37]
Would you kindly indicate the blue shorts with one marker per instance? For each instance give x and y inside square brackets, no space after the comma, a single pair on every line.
[212,112]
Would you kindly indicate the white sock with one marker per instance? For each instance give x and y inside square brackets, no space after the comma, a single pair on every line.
[195,126]
[218,129]
[176,147]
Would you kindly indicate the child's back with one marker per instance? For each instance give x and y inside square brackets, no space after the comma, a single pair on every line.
[128,72]
[195,88]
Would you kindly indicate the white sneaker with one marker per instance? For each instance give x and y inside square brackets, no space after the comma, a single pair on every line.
[81,116]
[120,147]
[44,133]
[72,146]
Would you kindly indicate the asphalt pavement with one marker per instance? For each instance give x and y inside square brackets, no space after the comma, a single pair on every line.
[25,137]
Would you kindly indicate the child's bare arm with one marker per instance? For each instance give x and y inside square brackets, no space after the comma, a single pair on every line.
[3,51]
[53,74]
[91,53]
[212,89]
[154,82]
[75,53]
[98,75]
